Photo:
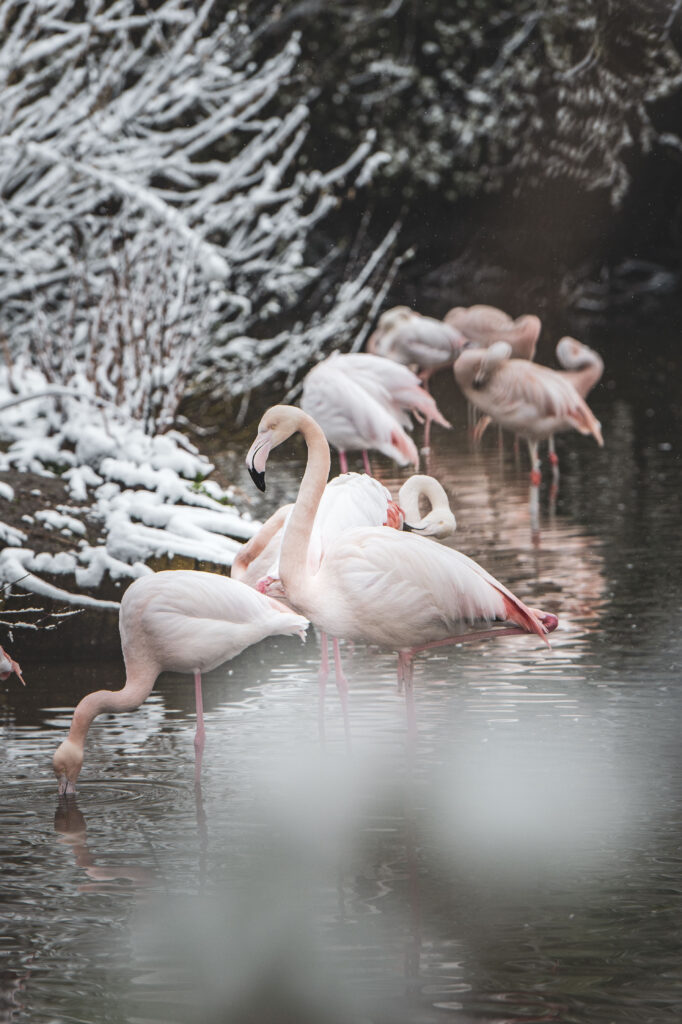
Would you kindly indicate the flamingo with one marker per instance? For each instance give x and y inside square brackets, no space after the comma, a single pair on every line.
[420,342]
[175,621]
[484,325]
[397,590]
[8,666]
[531,400]
[363,401]
[582,366]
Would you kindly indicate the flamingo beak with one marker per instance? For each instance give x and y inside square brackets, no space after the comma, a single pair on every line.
[257,458]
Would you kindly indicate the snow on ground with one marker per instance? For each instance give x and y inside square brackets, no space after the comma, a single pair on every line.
[134,496]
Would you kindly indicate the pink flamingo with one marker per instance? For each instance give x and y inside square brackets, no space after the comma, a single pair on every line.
[175,621]
[8,666]
[363,401]
[484,325]
[531,400]
[420,342]
[384,587]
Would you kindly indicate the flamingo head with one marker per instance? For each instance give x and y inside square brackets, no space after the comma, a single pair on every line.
[277,424]
[67,763]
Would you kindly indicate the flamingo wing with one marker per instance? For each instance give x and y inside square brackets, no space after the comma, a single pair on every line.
[391,384]
[413,591]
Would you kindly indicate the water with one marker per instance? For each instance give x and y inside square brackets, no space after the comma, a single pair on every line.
[516,858]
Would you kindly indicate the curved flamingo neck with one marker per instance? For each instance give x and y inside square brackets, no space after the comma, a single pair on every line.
[136,690]
[294,554]
[412,490]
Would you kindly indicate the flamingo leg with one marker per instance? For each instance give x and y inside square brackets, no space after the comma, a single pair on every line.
[322,677]
[343,462]
[405,676]
[427,436]
[366,463]
[200,734]
[342,687]
[554,462]
[481,427]
[535,472]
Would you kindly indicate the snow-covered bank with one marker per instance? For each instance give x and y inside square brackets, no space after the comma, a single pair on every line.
[129,496]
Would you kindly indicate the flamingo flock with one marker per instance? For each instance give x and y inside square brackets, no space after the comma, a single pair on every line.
[347,556]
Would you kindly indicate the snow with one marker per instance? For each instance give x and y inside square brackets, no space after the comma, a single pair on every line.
[150,499]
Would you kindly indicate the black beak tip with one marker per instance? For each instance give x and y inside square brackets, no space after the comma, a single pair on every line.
[258,478]
[407,528]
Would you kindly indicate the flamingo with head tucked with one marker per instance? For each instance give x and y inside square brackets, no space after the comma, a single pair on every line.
[526,398]
[482,326]
[423,343]
[363,401]
[397,590]
[175,621]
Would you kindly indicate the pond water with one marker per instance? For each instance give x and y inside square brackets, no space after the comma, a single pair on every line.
[516,857]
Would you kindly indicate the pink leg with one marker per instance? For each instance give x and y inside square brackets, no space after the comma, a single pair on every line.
[427,434]
[554,462]
[342,687]
[535,473]
[322,677]
[405,676]
[366,463]
[200,734]
[343,462]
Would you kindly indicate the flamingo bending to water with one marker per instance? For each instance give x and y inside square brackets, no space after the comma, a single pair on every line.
[526,398]
[397,590]
[175,621]
[363,401]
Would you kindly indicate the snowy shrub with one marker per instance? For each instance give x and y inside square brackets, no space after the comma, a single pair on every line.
[139,140]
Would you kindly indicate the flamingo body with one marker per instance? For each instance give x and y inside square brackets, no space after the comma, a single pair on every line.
[530,400]
[482,326]
[400,590]
[351,418]
[414,340]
